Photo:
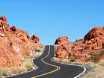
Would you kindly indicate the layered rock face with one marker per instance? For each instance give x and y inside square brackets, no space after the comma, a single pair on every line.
[83,49]
[94,39]
[64,47]
[15,45]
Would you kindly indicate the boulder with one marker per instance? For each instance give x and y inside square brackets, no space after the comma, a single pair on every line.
[64,47]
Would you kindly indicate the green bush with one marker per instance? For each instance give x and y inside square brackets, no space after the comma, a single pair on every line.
[28,63]
[3,72]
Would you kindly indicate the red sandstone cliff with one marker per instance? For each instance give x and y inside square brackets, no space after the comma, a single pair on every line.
[64,47]
[15,45]
[84,49]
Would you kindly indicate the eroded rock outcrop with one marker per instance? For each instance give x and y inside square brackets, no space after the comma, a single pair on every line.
[64,47]
[94,39]
[16,44]
[83,49]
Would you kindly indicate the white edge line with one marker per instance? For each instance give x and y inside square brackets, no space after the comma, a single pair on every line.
[82,73]
[79,75]
[58,68]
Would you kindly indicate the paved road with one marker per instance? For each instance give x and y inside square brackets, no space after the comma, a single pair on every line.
[50,69]
[62,71]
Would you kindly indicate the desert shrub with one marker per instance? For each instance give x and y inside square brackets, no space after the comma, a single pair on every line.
[96,56]
[72,59]
[28,64]
[3,72]
[38,50]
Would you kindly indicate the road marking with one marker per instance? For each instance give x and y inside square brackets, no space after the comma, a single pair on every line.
[79,75]
[57,67]
[82,73]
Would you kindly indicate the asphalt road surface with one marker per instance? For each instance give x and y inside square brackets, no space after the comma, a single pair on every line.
[49,69]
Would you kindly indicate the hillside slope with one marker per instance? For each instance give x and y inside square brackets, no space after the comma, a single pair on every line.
[87,49]
[15,46]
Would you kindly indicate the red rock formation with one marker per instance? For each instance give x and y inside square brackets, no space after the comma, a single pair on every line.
[94,32]
[15,45]
[8,57]
[64,47]
[94,39]
[82,49]
[35,39]
[61,53]
[13,28]
[62,40]
[3,20]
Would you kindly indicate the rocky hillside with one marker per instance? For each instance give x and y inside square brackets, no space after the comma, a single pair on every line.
[15,45]
[64,47]
[90,48]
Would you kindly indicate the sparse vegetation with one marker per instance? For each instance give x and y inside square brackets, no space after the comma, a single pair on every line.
[40,49]
[97,71]
[96,56]
[72,59]
[3,72]
[28,64]
[17,49]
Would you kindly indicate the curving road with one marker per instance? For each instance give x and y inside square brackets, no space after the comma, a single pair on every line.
[50,69]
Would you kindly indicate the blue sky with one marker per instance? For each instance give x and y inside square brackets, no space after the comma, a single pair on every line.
[52,18]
